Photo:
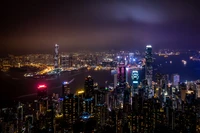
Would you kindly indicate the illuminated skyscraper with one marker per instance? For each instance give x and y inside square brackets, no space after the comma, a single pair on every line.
[50,119]
[100,112]
[65,89]
[121,85]
[88,105]
[42,91]
[183,89]
[122,75]
[114,73]
[135,82]
[99,97]
[70,106]
[56,57]
[131,58]
[198,90]
[64,61]
[70,111]
[42,98]
[70,61]
[149,69]
[175,80]
[89,86]
[126,105]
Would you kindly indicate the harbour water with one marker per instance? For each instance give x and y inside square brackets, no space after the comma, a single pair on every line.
[15,86]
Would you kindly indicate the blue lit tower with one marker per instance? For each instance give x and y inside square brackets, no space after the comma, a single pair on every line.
[135,81]
[56,57]
[149,70]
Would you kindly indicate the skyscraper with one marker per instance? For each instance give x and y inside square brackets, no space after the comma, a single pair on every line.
[114,73]
[65,89]
[42,95]
[89,86]
[70,111]
[175,80]
[183,89]
[198,90]
[64,61]
[122,75]
[88,106]
[135,82]
[131,58]
[149,69]
[42,91]
[56,57]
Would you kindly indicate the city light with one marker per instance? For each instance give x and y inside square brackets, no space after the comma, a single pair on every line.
[135,82]
[149,46]
[61,99]
[81,92]
[123,83]
[65,83]
[42,86]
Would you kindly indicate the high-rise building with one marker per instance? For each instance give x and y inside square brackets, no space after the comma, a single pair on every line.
[198,90]
[100,111]
[70,111]
[135,81]
[42,91]
[64,61]
[70,106]
[89,86]
[149,69]
[50,119]
[131,58]
[122,75]
[88,105]
[56,57]
[114,73]
[175,80]
[65,89]
[99,97]
[126,102]
[70,61]
[42,100]
[121,85]
[183,89]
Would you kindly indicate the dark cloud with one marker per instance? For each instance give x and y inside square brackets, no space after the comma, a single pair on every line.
[36,26]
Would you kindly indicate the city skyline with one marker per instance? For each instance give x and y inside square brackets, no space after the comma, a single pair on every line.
[122,103]
[30,27]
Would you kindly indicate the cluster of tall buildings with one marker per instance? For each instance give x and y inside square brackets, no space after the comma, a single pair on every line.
[131,105]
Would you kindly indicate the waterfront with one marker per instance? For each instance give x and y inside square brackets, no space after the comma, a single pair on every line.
[189,71]
[15,86]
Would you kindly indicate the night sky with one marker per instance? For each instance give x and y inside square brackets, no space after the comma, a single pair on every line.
[34,26]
